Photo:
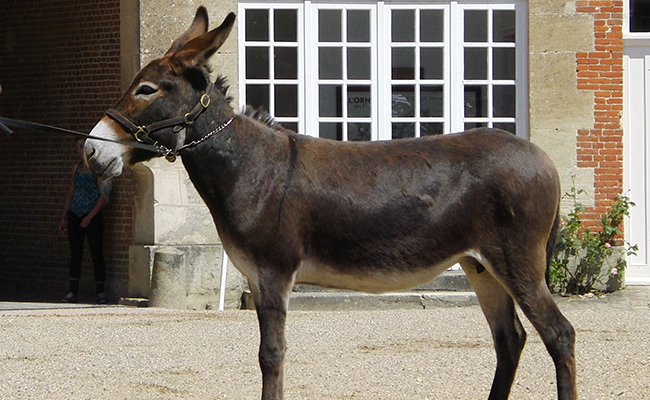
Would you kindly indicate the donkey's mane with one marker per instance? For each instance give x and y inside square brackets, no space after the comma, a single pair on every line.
[259,114]
[221,83]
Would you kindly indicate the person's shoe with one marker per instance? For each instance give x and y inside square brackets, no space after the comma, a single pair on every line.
[70,298]
[101,298]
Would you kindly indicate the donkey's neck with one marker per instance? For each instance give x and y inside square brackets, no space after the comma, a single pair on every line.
[242,168]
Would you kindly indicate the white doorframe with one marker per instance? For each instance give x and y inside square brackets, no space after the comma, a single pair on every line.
[636,109]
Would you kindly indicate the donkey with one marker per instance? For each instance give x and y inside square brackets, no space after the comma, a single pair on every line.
[373,217]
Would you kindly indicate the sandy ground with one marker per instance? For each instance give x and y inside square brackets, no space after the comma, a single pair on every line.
[444,353]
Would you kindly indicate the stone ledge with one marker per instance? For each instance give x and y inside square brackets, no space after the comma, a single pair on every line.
[348,300]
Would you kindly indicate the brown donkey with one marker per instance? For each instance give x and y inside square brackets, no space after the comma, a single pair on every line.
[373,217]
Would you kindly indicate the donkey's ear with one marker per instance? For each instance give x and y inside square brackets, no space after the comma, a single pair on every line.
[199,27]
[198,50]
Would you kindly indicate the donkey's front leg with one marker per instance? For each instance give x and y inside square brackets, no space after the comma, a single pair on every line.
[271,295]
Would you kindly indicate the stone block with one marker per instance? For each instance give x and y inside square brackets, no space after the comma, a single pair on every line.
[557,7]
[141,259]
[583,179]
[162,21]
[200,279]
[560,33]
[560,145]
[555,101]
[168,289]
[167,187]
[185,225]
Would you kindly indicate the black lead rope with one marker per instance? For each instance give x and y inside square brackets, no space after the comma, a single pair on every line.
[140,133]
[5,123]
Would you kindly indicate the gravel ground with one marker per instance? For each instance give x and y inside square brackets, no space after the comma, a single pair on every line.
[442,353]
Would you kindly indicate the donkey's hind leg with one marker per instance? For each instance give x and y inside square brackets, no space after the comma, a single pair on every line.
[556,332]
[508,333]
[528,288]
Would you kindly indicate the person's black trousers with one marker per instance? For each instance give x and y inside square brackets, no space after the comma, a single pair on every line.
[95,234]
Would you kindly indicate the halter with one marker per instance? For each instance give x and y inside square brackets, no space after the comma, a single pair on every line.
[143,133]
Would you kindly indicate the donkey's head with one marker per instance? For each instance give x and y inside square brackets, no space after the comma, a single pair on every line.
[169,87]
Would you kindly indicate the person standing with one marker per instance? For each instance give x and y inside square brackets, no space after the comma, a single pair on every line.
[83,218]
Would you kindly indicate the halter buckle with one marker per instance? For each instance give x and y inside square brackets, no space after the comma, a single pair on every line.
[205,100]
[141,131]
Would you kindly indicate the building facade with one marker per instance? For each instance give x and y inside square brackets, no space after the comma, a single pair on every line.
[567,75]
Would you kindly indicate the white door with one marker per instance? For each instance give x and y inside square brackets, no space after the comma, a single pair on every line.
[636,105]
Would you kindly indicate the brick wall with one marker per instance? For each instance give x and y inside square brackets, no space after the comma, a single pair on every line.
[59,65]
[601,71]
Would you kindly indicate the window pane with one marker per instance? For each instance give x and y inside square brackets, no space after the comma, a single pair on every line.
[329,101]
[504,26]
[639,16]
[403,63]
[286,100]
[330,63]
[257,62]
[403,130]
[431,26]
[286,62]
[358,63]
[359,26]
[476,102]
[358,132]
[332,131]
[403,101]
[431,62]
[507,126]
[403,25]
[292,126]
[504,101]
[504,63]
[431,128]
[257,25]
[285,26]
[475,26]
[258,96]
[475,63]
[472,125]
[359,101]
[431,101]
[329,25]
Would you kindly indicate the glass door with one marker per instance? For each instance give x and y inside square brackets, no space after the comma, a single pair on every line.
[342,72]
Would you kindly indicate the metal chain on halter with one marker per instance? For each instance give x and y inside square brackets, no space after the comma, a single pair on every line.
[170,155]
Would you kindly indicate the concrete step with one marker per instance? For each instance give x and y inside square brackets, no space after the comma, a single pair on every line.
[451,281]
[450,289]
[347,300]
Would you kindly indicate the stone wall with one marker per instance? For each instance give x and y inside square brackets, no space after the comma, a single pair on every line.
[169,211]
[576,94]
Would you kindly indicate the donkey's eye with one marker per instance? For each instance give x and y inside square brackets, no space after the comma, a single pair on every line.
[146,89]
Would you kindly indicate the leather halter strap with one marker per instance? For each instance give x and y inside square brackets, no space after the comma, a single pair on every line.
[142,133]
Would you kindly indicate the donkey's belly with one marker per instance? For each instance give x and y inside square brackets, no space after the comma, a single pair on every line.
[316,273]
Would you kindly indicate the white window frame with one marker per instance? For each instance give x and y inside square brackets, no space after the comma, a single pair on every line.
[386,81]
[627,34]
[311,65]
[454,119]
[300,44]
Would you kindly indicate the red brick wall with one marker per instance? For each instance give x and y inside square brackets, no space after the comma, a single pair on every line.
[601,71]
[59,65]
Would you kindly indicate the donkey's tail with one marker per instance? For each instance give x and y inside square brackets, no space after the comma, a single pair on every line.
[551,244]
